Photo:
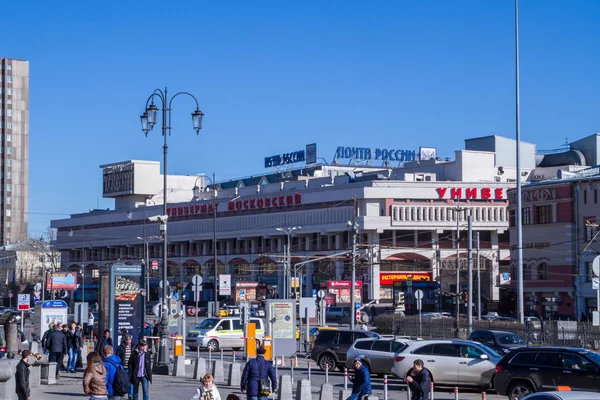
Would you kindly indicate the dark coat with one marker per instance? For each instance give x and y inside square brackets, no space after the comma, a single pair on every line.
[421,385]
[255,370]
[57,342]
[121,353]
[362,382]
[74,340]
[45,338]
[134,366]
[101,343]
[22,377]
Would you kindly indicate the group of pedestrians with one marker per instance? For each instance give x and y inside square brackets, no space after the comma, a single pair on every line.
[61,341]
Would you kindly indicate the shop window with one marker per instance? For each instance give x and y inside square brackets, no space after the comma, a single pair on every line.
[543,214]
[543,271]
[526,217]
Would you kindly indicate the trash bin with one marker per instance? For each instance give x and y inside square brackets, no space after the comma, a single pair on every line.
[178,346]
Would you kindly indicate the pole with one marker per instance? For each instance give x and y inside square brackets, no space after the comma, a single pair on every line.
[271,315]
[216,289]
[353,283]
[470,272]
[478,280]
[163,353]
[82,272]
[518,211]
[457,210]
[288,266]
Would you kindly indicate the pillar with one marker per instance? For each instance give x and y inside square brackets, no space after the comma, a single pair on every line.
[309,271]
[374,286]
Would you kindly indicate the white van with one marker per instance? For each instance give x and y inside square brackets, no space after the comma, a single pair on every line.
[219,333]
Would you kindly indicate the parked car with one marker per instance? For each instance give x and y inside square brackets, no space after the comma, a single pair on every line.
[533,369]
[257,312]
[217,333]
[7,313]
[336,313]
[432,315]
[502,342]
[377,353]
[364,317]
[450,362]
[331,346]
[532,323]
[563,395]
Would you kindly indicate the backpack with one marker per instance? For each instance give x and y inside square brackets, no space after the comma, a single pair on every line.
[121,381]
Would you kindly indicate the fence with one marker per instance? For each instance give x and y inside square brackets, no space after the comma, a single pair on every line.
[548,333]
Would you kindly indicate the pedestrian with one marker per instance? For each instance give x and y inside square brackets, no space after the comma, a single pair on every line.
[94,378]
[56,345]
[90,323]
[79,332]
[258,370]
[11,337]
[124,353]
[364,327]
[373,314]
[155,329]
[45,338]
[22,377]
[361,383]
[122,333]
[140,367]
[106,340]
[419,381]
[112,362]
[209,391]
[74,343]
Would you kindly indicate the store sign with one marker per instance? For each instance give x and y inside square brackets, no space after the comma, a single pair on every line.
[389,279]
[533,245]
[286,158]
[117,180]
[483,193]
[61,281]
[261,203]
[364,153]
[345,284]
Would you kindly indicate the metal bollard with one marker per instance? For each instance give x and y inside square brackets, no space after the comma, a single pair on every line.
[455,393]
[483,396]
[292,367]
[431,391]
[309,370]
[326,373]
[197,351]
[234,356]
[209,355]
[385,387]
[222,354]
[345,378]
[408,396]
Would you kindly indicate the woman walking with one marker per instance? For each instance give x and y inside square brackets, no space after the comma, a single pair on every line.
[94,378]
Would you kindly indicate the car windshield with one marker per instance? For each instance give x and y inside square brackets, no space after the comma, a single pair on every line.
[509,338]
[208,323]
[490,352]
[595,357]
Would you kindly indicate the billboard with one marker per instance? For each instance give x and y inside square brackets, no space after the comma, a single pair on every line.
[126,301]
[61,281]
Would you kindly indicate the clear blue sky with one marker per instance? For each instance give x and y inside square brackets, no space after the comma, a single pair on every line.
[273,76]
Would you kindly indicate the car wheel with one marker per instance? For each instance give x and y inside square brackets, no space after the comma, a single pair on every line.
[212,345]
[518,390]
[327,359]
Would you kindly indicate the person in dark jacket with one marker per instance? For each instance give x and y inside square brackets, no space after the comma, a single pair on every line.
[74,344]
[140,369]
[419,381]
[103,341]
[79,332]
[361,381]
[254,371]
[22,377]
[57,347]
[45,338]
[124,352]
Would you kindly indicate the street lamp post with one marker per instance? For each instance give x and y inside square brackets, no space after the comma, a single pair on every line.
[148,120]
[457,210]
[287,266]
[196,191]
[44,264]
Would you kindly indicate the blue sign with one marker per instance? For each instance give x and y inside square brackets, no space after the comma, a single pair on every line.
[287,318]
[54,304]
[35,301]
[358,305]
[242,291]
[505,276]
[314,292]
[287,158]
[364,153]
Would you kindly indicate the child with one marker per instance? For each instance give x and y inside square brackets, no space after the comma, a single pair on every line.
[209,391]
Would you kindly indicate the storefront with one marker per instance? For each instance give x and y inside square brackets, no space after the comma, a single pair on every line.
[250,291]
[406,283]
[387,282]
[342,289]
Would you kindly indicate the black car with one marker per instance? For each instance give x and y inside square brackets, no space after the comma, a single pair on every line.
[536,369]
[502,342]
[330,346]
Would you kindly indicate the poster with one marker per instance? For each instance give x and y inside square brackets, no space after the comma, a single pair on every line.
[127,303]
[283,327]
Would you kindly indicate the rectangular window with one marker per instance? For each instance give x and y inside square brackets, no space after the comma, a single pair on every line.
[9,137]
[8,78]
[590,230]
[9,125]
[585,197]
[9,150]
[8,112]
[9,101]
[8,200]
[589,273]
[9,187]
[9,163]
[527,218]
[9,67]
[9,175]
[9,91]
[8,213]
[8,224]
[543,214]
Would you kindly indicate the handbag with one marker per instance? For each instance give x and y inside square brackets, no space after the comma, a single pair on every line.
[264,385]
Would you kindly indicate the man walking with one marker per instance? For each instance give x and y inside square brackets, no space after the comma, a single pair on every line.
[22,377]
[79,332]
[361,382]
[45,338]
[140,368]
[124,353]
[419,381]
[57,347]
[75,344]
[106,340]
[255,371]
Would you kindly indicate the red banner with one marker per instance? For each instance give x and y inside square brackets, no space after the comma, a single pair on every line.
[390,278]
[343,284]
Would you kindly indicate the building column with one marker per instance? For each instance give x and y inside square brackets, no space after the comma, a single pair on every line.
[310,268]
[374,286]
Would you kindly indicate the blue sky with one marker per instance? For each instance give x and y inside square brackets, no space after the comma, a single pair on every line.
[274,76]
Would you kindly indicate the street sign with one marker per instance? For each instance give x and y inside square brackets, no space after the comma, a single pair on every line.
[10,294]
[154,264]
[23,302]
[242,294]
[314,294]
[321,294]
[409,281]
[197,280]
[225,285]
[596,266]
[37,287]
[36,294]
[358,305]
[595,283]
[161,284]
[418,294]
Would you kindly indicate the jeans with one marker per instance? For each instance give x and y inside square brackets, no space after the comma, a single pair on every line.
[71,364]
[136,388]
[130,394]
[356,396]
[98,398]
[253,397]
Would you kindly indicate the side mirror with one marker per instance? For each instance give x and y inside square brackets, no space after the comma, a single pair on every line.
[484,357]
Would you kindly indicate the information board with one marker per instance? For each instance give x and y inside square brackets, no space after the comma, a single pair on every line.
[281,320]
[126,301]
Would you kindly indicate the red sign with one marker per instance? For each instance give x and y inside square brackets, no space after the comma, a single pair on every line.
[389,279]
[261,203]
[23,307]
[343,284]
[155,263]
[472,193]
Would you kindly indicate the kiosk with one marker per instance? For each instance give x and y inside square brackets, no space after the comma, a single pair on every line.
[47,312]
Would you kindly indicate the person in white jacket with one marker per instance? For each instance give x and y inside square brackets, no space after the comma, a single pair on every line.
[209,390]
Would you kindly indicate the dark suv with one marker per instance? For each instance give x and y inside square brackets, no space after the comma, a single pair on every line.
[502,342]
[537,369]
[331,346]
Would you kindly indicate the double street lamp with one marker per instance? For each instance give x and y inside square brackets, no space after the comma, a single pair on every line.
[148,120]
[287,263]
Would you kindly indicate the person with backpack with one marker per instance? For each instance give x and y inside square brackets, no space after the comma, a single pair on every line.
[117,380]
[256,375]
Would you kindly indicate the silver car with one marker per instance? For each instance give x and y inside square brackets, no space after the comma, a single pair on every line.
[377,354]
[451,362]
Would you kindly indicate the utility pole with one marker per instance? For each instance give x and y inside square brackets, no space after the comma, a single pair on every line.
[354,226]
[478,280]
[470,272]
[457,210]
[287,259]
[519,210]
